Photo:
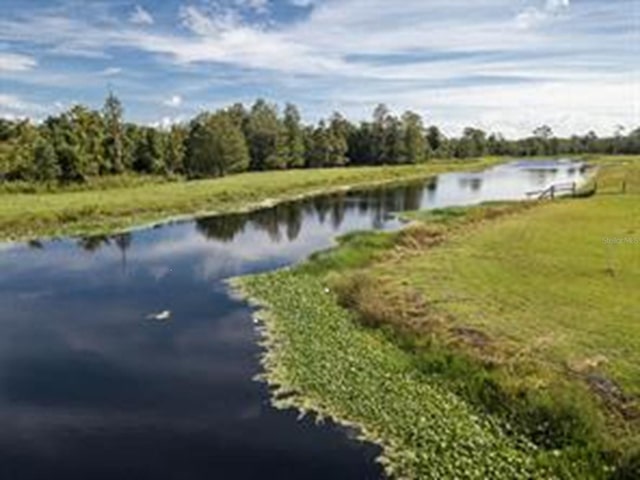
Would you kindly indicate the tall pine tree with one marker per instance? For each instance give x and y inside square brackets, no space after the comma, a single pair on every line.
[113,141]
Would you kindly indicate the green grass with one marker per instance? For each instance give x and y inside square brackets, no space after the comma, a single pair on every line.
[110,182]
[111,207]
[546,280]
[524,315]
[561,279]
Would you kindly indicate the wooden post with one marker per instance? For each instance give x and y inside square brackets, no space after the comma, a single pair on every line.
[573,189]
[624,187]
[553,192]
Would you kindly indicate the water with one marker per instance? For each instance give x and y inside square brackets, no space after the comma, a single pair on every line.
[92,387]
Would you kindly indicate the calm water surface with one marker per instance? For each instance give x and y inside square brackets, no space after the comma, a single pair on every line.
[92,388]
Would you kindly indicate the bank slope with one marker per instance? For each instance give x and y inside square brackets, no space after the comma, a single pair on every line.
[318,358]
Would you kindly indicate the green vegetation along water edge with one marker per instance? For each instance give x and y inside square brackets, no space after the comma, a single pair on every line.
[497,341]
[111,206]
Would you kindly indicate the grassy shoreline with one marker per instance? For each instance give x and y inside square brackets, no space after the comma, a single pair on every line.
[360,379]
[26,216]
[374,349]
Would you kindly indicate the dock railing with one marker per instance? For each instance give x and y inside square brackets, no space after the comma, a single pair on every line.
[557,189]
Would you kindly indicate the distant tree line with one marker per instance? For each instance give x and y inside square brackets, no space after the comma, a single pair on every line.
[82,143]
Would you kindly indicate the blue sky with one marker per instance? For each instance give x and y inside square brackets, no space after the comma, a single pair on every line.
[502,65]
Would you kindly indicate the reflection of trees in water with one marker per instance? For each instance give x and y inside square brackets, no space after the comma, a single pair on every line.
[123,242]
[542,176]
[287,218]
[384,201]
[338,211]
[473,183]
[294,215]
[363,204]
[432,191]
[94,243]
[413,197]
[225,228]
[322,207]
[35,245]
[269,222]
[222,228]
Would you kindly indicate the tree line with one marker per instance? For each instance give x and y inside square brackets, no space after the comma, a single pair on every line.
[81,143]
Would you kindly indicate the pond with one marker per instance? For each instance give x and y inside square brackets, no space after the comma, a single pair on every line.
[126,356]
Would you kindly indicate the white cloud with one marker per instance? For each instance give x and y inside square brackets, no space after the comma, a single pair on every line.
[12,62]
[13,106]
[174,101]
[110,72]
[556,5]
[259,6]
[534,16]
[140,16]
[515,110]
[463,61]
[204,24]
[302,3]
[12,102]
[165,123]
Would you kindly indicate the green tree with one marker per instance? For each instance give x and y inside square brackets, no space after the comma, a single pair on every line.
[19,163]
[279,158]
[497,145]
[542,140]
[472,144]
[175,149]
[7,129]
[46,167]
[130,140]
[394,147]
[415,143]
[361,144]
[239,116]
[215,147]
[293,137]
[319,153]
[113,140]
[337,141]
[544,132]
[379,132]
[66,137]
[264,136]
[71,163]
[387,142]
[438,144]
[149,156]
[87,134]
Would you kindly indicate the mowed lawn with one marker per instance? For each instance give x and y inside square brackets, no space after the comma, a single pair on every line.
[559,283]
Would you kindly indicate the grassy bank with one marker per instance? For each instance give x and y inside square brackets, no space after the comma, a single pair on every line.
[322,360]
[523,317]
[112,206]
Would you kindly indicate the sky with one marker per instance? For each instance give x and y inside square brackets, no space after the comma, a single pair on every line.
[501,65]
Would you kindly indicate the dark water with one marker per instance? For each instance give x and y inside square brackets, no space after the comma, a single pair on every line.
[91,388]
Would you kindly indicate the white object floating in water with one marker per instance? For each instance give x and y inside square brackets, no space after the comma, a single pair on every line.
[165,315]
